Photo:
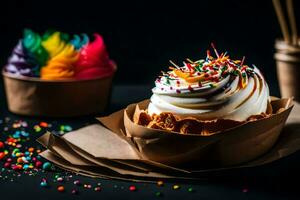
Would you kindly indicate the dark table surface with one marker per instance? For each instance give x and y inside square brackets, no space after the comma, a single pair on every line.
[277,180]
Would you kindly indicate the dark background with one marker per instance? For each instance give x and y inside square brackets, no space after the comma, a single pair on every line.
[142,36]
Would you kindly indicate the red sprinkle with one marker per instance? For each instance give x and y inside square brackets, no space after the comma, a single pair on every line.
[1,145]
[132,188]
[44,124]
[38,164]
[17,167]
[2,155]
[7,165]
[12,140]
[189,66]
[178,91]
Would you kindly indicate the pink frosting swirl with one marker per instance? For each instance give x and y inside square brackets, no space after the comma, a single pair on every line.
[94,61]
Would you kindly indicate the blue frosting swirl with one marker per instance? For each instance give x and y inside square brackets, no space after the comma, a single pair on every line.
[79,42]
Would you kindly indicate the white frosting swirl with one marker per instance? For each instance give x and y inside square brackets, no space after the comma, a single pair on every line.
[215,88]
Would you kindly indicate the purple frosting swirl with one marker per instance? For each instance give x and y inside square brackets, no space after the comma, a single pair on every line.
[22,63]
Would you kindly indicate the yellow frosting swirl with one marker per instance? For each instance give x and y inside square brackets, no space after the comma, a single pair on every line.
[63,56]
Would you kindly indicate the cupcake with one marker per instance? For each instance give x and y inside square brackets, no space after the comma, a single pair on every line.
[60,65]
[215,111]
[214,88]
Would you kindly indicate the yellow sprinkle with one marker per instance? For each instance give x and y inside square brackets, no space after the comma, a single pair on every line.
[160,183]
[176,187]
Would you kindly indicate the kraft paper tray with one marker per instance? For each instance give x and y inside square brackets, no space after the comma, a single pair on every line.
[56,98]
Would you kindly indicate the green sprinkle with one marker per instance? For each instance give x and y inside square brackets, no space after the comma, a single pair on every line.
[65,128]
[235,72]
[200,61]
[168,81]
[244,74]
[198,68]
[211,85]
[190,189]
[224,68]
[158,194]
[37,128]
[172,79]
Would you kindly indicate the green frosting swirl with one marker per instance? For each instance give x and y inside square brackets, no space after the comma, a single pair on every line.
[33,43]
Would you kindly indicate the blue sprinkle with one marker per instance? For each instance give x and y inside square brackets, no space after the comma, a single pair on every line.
[26,166]
[25,134]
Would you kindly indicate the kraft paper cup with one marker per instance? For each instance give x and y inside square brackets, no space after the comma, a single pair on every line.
[56,98]
[288,69]
[236,145]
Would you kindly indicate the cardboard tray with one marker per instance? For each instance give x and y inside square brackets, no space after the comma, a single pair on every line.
[56,98]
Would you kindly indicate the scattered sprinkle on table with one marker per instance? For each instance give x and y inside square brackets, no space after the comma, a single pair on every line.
[176,187]
[132,188]
[61,188]
[160,183]
[158,194]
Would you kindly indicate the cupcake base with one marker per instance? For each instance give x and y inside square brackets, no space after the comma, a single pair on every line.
[236,145]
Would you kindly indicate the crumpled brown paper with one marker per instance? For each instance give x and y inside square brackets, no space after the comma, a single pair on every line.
[99,152]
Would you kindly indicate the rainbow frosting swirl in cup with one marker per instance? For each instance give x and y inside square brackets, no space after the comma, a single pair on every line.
[214,88]
[58,56]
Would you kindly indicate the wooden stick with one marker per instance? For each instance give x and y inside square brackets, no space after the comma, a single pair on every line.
[292,19]
[281,20]
[174,64]
[190,60]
